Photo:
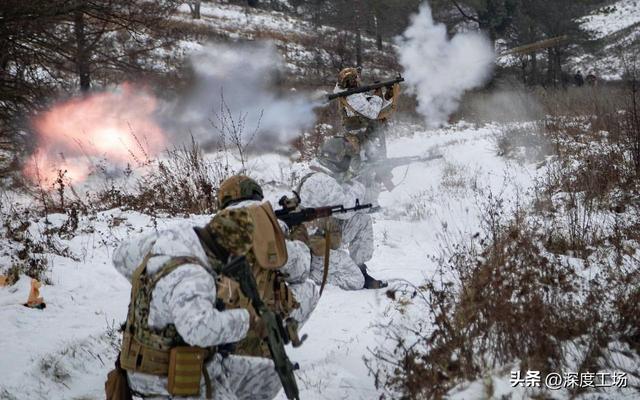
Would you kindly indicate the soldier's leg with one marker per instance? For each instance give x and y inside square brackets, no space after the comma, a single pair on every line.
[251,378]
[307,294]
[357,236]
[375,146]
[343,272]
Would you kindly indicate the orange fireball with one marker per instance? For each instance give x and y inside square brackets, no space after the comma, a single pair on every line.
[117,126]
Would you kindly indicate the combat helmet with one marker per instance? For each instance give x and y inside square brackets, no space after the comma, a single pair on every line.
[348,78]
[238,188]
[336,154]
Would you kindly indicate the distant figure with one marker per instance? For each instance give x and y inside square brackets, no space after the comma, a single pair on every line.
[592,79]
[578,79]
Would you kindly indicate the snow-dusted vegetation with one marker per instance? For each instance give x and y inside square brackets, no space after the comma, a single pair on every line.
[517,251]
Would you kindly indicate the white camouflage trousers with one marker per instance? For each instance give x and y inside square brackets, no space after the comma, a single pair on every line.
[356,248]
[232,378]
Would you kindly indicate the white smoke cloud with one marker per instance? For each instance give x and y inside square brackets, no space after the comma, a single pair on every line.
[438,69]
[247,75]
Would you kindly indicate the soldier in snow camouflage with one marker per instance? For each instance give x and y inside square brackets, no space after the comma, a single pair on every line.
[328,182]
[175,302]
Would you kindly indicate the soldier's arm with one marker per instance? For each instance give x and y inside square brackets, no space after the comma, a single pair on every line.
[321,190]
[307,294]
[298,264]
[190,292]
[367,106]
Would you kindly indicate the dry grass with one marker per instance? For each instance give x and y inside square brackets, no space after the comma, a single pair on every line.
[512,292]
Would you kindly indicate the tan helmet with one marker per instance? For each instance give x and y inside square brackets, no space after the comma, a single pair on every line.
[238,188]
[348,78]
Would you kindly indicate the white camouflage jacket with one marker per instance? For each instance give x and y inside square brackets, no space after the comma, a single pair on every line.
[364,104]
[323,189]
[186,297]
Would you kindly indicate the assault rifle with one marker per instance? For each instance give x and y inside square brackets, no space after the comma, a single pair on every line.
[294,218]
[277,336]
[382,168]
[367,88]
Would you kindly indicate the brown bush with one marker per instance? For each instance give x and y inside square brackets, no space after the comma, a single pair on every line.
[513,293]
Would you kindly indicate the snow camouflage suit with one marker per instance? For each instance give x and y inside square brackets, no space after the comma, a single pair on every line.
[186,300]
[363,117]
[320,188]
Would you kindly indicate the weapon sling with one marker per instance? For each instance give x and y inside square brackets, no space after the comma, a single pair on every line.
[327,250]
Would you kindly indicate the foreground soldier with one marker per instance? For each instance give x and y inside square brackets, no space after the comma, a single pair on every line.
[351,234]
[182,308]
[298,295]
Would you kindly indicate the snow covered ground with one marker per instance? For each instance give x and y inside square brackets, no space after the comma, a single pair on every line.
[66,350]
[616,17]
[617,27]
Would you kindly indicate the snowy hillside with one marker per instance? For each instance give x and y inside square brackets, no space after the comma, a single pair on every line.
[311,53]
[617,28]
[65,350]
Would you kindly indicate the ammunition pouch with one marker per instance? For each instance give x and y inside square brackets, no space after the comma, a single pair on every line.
[186,366]
[117,386]
[317,241]
[135,356]
[300,233]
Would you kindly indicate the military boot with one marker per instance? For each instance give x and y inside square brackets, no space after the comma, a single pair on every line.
[369,281]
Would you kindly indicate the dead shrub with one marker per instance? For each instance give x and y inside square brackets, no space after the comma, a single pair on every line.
[522,142]
[511,295]
[182,183]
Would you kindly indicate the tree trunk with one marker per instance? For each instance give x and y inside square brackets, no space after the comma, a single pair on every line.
[485,26]
[82,53]
[550,74]
[534,69]
[358,17]
[377,20]
[558,67]
[194,6]
[358,47]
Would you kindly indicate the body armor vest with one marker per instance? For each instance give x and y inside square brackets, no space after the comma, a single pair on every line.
[147,350]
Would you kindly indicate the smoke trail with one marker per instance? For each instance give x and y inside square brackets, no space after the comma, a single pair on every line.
[438,69]
[247,75]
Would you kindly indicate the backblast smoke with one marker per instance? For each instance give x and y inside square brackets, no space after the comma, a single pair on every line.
[437,69]
[129,124]
[245,79]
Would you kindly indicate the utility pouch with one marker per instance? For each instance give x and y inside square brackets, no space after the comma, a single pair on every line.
[137,357]
[185,370]
[117,387]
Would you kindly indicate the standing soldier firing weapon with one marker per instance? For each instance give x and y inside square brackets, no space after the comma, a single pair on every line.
[365,111]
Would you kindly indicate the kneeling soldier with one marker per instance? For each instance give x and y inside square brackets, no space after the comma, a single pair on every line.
[184,312]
